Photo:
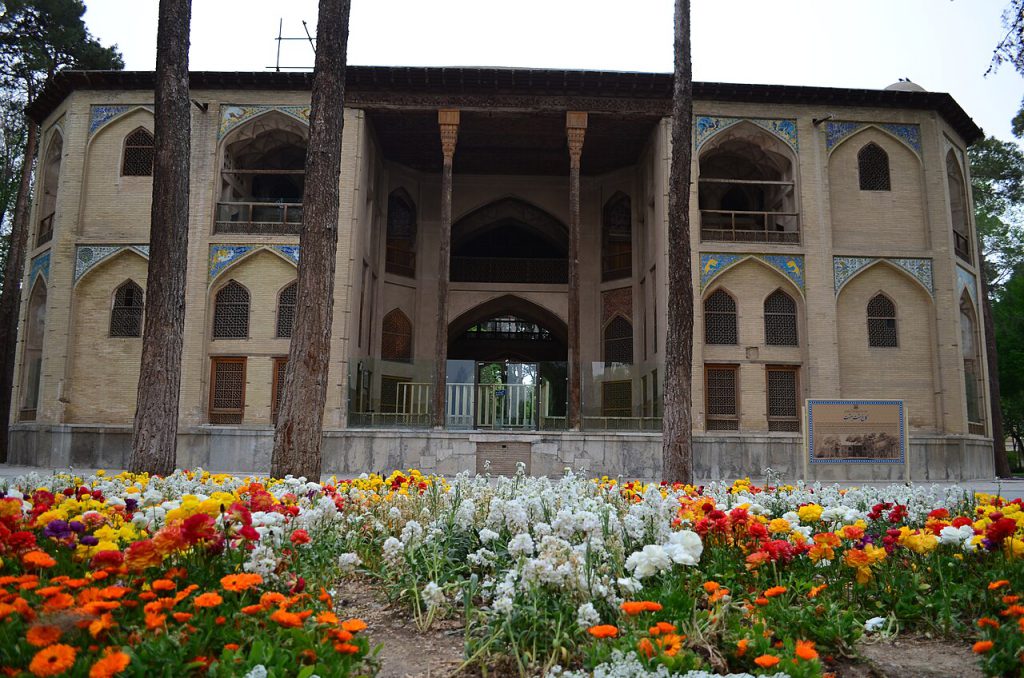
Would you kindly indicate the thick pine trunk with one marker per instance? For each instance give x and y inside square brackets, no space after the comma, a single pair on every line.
[998,436]
[154,437]
[301,415]
[677,439]
[10,298]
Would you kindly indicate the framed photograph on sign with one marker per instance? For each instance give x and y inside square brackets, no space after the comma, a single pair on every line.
[856,431]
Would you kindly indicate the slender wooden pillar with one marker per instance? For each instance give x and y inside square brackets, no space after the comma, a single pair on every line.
[448,120]
[576,129]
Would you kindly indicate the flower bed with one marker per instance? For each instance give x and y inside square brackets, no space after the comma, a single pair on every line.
[564,577]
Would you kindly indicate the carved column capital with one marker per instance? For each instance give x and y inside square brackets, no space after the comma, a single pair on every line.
[448,120]
[575,130]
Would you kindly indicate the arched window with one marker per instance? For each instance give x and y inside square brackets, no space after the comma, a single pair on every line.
[396,337]
[32,353]
[973,382]
[138,154]
[882,322]
[720,319]
[231,312]
[780,320]
[126,314]
[618,341]
[958,207]
[617,238]
[50,179]
[286,310]
[873,168]
[401,254]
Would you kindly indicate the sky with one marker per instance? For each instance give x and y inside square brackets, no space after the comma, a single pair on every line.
[943,45]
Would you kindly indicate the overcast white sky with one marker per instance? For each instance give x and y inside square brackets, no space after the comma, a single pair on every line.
[943,45]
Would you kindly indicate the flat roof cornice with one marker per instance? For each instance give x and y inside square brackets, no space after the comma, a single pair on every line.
[613,91]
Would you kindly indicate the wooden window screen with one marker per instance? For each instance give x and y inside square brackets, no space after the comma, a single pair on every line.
[958,207]
[882,322]
[389,393]
[396,337]
[400,258]
[721,384]
[873,168]
[720,319]
[231,312]
[286,311]
[126,314]
[617,238]
[617,398]
[780,320]
[138,154]
[277,387]
[618,341]
[783,398]
[227,390]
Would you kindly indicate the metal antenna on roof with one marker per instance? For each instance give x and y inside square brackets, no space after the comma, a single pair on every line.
[310,37]
[277,67]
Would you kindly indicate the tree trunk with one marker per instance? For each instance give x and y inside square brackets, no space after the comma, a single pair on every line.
[575,128]
[301,415]
[155,435]
[998,437]
[448,124]
[10,297]
[677,423]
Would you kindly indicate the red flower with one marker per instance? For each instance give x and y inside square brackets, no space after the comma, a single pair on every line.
[1000,530]
[300,537]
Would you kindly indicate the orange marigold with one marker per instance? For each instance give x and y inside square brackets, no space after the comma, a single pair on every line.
[346,648]
[660,628]
[766,661]
[252,609]
[998,584]
[53,660]
[603,631]
[711,586]
[988,621]
[353,625]
[240,582]
[805,650]
[741,646]
[181,617]
[41,636]
[775,591]
[815,590]
[112,663]
[670,643]
[163,585]
[286,619]
[645,647]
[327,618]
[209,599]
[38,560]
[982,646]
[271,598]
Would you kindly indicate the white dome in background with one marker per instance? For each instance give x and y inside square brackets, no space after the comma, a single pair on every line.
[905,85]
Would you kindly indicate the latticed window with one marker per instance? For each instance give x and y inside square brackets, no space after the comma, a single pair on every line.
[126,315]
[783,403]
[873,167]
[138,154]
[720,395]
[617,398]
[401,245]
[618,341]
[231,312]
[617,238]
[286,310]
[958,207]
[720,319]
[227,390]
[277,388]
[780,320]
[882,322]
[396,337]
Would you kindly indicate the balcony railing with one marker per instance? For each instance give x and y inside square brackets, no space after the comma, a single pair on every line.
[962,246]
[616,266]
[746,226]
[400,261]
[259,218]
[509,270]
[45,233]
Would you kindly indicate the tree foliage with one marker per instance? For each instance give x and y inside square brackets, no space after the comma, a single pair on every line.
[997,182]
[1010,50]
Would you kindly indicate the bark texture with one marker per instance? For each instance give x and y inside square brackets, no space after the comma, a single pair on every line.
[677,422]
[1003,469]
[10,298]
[300,419]
[443,272]
[155,434]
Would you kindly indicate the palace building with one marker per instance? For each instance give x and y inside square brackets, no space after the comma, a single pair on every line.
[834,256]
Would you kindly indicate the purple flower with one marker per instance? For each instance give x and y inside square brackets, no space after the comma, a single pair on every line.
[130,505]
[57,529]
[77,526]
[89,540]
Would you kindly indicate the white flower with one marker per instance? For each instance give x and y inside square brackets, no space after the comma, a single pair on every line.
[521,544]
[393,549]
[629,586]
[874,624]
[258,671]
[650,561]
[587,616]
[411,533]
[684,547]
[348,562]
[487,535]
[955,535]
[433,596]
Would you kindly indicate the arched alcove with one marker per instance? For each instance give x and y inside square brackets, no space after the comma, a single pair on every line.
[50,180]
[32,353]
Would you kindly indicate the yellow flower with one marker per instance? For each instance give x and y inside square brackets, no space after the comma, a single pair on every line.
[810,513]
[779,526]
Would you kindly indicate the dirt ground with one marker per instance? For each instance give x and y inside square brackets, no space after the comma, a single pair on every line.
[913,657]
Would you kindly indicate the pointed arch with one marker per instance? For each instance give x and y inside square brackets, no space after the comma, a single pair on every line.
[396,337]
[889,265]
[127,310]
[231,311]
[873,168]
[720,326]
[881,317]
[958,213]
[286,299]
[246,256]
[974,382]
[780,320]
[617,237]
[50,185]
[109,259]
[32,351]
[879,128]
[618,341]
[401,234]
[138,153]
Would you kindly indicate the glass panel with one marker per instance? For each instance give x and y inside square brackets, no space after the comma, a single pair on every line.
[621,397]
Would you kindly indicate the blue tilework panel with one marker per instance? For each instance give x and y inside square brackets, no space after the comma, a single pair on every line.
[712,264]
[706,127]
[836,132]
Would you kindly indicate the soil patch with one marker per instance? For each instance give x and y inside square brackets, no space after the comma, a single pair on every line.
[915,657]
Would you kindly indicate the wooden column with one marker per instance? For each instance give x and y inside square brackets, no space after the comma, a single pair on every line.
[448,120]
[576,129]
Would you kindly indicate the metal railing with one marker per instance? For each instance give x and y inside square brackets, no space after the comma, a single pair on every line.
[45,233]
[509,270]
[746,226]
[259,218]
[496,406]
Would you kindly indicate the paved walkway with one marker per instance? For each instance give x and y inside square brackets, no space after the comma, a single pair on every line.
[1009,489]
